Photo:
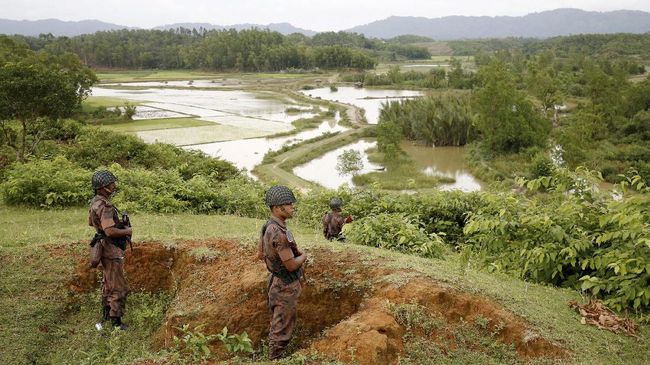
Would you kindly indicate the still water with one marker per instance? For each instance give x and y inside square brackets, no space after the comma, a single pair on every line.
[439,161]
[368,99]
[248,153]
[322,170]
[444,161]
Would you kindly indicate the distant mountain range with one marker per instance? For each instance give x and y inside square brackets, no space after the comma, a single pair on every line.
[71,29]
[284,28]
[55,26]
[536,25]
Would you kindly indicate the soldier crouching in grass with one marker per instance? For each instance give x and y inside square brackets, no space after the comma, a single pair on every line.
[333,221]
[284,261]
[108,246]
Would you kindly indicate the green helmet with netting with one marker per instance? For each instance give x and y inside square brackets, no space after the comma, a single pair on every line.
[102,178]
[336,203]
[279,195]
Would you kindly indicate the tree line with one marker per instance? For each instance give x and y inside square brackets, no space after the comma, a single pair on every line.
[251,50]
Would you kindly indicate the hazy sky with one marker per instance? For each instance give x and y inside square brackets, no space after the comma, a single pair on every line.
[321,15]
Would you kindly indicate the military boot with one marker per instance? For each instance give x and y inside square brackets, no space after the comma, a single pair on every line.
[106,314]
[117,323]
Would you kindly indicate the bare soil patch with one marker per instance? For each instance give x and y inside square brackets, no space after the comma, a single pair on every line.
[344,311]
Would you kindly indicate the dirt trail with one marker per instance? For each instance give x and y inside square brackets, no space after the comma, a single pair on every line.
[344,311]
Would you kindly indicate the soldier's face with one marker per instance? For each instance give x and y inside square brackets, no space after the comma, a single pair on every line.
[111,189]
[287,210]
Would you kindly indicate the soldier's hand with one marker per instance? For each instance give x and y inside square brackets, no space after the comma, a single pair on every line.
[129,231]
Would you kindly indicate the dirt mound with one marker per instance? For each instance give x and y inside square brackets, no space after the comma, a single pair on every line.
[347,311]
[148,268]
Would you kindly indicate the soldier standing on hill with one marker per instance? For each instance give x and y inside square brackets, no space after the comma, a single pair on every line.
[108,246]
[284,262]
[333,221]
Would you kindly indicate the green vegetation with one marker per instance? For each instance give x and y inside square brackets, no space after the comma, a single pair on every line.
[556,229]
[217,50]
[400,172]
[433,120]
[93,103]
[37,89]
[31,274]
[424,343]
[506,120]
[154,124]
[572,236]
[394,232]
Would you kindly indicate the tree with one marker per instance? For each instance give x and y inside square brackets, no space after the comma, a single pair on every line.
[389,135]
[35,91]
[507,121]
[543,83]
[349,162]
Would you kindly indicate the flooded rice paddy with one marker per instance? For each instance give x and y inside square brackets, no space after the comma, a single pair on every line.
[242,119]
[322,170]
[248,153]
[368,99]
[439,161]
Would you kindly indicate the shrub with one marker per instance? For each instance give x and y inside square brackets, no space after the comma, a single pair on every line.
[541,166]
[394,232]
[572,235]
[129,111]
[96,147]
[47,183]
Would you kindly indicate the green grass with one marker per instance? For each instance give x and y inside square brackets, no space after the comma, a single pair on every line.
[155,124]
[154,75]
[43,322]
[171,75]
[95,102]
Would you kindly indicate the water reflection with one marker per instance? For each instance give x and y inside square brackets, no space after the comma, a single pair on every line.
[322,170]
[248,153]
[208,105]
[368,99]
[445,161]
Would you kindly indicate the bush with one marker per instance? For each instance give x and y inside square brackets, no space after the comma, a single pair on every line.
[394,232]
[129,111]
[436,212]
[96,147]
[572,235]
[541,166]
[47,183]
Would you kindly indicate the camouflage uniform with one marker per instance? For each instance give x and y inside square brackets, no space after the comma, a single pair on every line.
[115,288]
[332,225]
[276,244]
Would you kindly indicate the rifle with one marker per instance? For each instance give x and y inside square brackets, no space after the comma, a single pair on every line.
[126,222]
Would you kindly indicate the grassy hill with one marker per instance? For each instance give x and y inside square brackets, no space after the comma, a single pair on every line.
[359,303]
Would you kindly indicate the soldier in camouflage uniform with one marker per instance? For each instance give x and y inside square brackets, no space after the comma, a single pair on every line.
[284,261]
[108,246]
[333,221]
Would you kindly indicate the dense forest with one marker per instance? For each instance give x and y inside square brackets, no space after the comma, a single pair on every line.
[224,50]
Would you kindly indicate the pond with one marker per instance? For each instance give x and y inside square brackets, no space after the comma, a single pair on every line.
[439,161]
[368,99]
[322,170]
[444,161]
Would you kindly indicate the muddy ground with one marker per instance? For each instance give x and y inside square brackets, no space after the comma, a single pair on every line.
[351,309]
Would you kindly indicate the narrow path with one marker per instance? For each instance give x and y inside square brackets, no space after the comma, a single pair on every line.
[275,173]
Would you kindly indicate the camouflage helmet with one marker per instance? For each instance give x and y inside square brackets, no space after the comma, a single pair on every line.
[336,203]
[103,178]
[279,195]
